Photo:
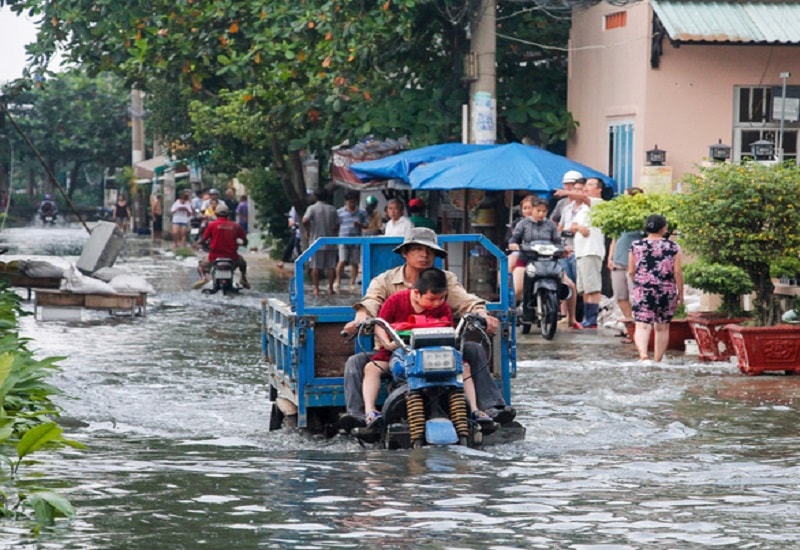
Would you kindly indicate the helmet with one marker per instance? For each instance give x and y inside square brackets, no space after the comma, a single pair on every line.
[371,201]
[416,203]
[222,209]
[213,191]
[48,197]
[572,176]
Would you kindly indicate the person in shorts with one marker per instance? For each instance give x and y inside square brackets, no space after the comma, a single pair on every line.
[352,220]
[322,220]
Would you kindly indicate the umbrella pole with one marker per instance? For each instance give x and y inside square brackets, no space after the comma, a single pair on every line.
[467,229]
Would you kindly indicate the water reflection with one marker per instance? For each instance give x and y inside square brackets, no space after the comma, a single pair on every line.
[174,410]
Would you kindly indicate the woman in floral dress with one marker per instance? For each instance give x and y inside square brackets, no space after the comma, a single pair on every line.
[654,264]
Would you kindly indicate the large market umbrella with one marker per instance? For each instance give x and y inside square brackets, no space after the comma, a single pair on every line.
[504,167]
[400,165]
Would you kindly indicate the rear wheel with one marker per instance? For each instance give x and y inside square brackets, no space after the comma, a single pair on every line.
[549,321]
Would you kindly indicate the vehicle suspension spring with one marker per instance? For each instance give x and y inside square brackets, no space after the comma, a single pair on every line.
[458,412]
[415,410]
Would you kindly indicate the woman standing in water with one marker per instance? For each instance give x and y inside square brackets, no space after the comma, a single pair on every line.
[654,265]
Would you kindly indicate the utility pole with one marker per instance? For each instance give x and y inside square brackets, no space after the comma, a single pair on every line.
[482,91]
[137,126]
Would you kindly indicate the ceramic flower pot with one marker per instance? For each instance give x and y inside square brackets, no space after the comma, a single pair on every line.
[761,349]
[708,330]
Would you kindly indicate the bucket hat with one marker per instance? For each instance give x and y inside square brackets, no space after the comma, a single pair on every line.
[425,237]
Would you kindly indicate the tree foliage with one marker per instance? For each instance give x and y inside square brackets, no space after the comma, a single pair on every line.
[260,83]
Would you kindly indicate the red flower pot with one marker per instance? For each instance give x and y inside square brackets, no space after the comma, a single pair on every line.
[760,349]
[679,332]
[708,330]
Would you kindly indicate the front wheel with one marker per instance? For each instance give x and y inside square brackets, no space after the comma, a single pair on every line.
[549,310]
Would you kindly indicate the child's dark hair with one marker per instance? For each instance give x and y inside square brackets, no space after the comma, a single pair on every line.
[431,280]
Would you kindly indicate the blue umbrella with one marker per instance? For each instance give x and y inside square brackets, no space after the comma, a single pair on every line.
[400,165]
[505,167]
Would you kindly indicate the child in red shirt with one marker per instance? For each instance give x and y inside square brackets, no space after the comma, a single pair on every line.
[427,299]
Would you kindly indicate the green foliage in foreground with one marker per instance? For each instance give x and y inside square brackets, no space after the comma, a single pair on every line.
[26,423]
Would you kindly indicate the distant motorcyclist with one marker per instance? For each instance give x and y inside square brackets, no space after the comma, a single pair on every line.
[223,238]
[48,208]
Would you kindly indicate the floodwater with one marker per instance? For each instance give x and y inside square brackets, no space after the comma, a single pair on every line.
[174,410]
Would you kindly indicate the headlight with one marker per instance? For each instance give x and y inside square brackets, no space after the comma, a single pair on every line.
[530,269]
[438,361]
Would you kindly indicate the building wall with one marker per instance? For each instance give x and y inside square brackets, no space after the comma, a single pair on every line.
[684,106]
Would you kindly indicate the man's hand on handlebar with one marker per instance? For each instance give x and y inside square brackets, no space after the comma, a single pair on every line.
[492,323]
[351,328]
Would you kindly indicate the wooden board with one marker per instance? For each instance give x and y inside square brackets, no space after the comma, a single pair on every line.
[135,303]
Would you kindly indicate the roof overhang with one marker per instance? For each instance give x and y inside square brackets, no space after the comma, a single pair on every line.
[729,21]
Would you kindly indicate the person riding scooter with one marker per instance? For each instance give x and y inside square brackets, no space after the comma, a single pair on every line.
[48,209]
[223,238]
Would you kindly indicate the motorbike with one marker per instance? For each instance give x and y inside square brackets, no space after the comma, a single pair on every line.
[194,228]
[426,403]
[543,287]
[48,216]
[222,280]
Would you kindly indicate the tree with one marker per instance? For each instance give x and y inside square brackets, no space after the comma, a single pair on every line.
[743,215]
[78,124]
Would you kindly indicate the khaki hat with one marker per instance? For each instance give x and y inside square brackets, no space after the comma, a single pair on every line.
[425,237]
[222,209]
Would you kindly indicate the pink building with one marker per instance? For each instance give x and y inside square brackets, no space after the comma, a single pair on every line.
[682,75]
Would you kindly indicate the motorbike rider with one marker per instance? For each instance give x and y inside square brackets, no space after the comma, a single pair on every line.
[536,227]
[419,249]
[223,238]
[48,207]
[427,299]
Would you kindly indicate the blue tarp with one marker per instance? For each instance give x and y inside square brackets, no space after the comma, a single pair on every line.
[504,167]
[400,165]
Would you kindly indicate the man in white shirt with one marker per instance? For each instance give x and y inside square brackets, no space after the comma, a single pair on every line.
[397,225]
[590,249]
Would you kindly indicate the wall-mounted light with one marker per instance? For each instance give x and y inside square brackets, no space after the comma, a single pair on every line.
[656,156]
[762,149]
[719,152]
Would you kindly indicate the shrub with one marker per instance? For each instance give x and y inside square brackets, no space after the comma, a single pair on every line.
[628,212]
[729,281]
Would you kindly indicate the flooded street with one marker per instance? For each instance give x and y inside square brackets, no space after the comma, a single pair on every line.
[174,411]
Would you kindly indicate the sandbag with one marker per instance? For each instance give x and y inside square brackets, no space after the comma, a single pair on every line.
[77,283]
[40,269]
[108,273]
[131,284]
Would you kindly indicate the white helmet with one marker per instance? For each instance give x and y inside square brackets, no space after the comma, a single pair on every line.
[572,176]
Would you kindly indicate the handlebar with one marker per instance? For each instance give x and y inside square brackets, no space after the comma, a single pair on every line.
[468,322]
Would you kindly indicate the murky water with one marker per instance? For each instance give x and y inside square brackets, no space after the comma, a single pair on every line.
[175,414]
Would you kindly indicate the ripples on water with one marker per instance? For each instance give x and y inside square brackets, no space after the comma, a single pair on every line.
[174,409]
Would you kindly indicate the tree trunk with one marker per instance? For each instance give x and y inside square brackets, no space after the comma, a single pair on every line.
[765,304]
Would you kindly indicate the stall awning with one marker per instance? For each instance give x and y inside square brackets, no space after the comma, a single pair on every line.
[730,21]
[147,168]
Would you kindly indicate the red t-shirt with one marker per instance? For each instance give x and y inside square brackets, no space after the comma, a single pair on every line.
[397,308]
[222,234]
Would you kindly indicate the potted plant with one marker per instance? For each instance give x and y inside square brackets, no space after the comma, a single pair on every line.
[745,215]
[708,328]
